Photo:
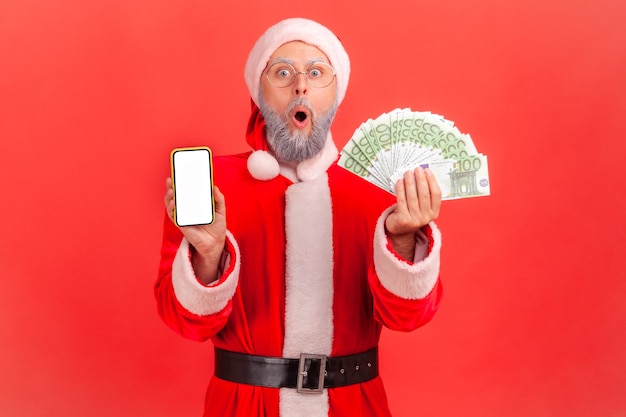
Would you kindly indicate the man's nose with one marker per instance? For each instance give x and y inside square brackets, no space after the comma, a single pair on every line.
[301,84]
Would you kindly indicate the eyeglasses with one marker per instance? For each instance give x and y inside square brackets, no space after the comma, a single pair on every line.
[318,74]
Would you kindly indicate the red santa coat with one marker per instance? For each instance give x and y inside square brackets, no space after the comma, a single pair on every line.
[307,269]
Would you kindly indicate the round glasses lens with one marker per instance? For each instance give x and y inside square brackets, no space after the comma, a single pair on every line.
[281,74]
[320,74]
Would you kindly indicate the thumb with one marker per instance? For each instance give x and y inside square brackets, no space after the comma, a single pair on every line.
[220,201]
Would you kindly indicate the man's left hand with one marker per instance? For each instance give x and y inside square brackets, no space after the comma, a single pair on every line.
[418,203]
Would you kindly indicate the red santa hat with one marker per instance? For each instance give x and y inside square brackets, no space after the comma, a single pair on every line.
[261,164]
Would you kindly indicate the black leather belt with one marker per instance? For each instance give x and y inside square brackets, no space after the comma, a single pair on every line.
[308,374]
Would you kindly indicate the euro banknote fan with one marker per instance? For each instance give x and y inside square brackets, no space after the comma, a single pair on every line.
[383,149]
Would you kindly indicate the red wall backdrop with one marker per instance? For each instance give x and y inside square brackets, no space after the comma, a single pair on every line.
[94,94]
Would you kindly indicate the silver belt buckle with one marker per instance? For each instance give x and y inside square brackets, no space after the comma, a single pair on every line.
[302,373]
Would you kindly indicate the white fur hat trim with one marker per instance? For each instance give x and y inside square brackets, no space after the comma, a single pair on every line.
[297,29]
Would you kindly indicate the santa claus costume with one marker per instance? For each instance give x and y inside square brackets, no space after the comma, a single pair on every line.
[307,269]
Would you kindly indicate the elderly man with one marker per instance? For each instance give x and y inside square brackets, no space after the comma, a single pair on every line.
[305,262]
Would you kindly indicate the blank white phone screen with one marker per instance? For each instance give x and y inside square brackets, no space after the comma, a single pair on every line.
[193,187]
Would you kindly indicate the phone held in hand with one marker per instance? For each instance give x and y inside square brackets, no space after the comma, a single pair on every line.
[192,179]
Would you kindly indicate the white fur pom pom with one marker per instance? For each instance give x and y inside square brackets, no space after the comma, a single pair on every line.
[263,166]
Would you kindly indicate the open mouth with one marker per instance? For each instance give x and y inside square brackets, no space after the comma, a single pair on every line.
[300,117]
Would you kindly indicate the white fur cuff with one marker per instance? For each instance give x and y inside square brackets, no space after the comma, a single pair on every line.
[409,281]
[196,297]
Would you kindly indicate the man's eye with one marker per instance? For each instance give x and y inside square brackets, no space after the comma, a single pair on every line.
[283,73]
[315,73]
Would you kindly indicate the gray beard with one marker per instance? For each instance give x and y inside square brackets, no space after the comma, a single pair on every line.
[295,147]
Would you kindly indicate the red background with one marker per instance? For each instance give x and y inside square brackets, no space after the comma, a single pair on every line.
[94,94]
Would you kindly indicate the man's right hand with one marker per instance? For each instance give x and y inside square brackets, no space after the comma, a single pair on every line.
[207,240]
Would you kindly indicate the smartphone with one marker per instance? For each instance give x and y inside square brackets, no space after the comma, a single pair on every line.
[192,179]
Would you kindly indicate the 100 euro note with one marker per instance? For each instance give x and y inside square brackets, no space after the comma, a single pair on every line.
[454,181]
